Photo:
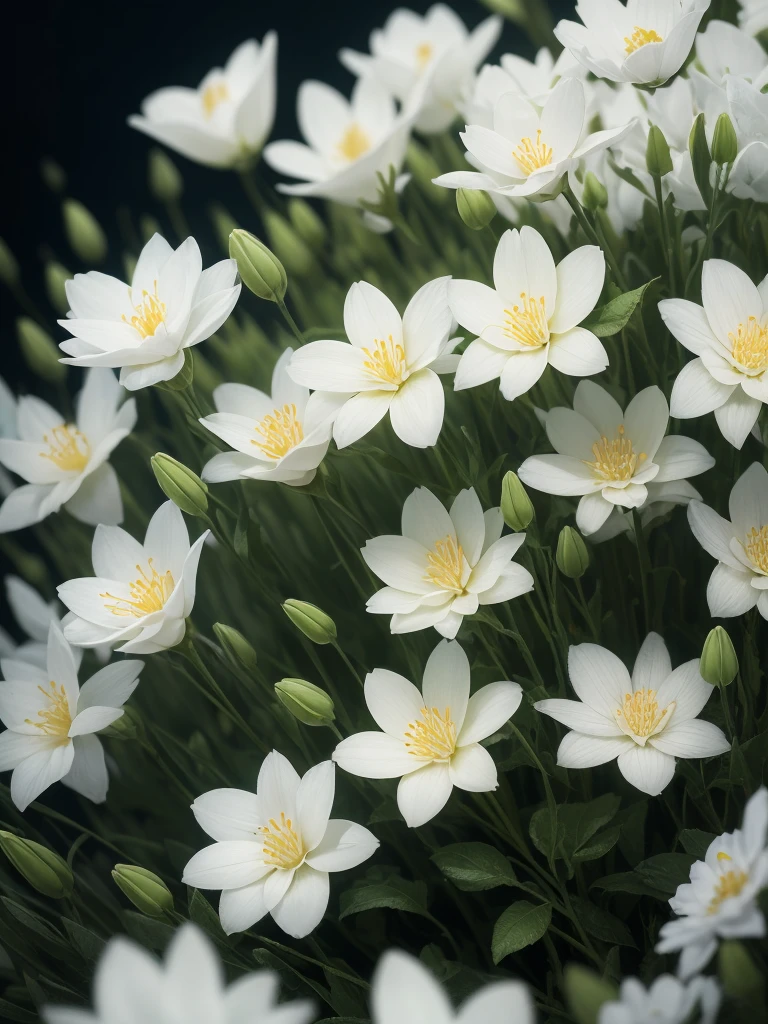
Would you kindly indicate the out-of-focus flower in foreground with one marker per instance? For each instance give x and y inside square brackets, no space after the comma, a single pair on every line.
[753,16]
[34,616]
[667,1000]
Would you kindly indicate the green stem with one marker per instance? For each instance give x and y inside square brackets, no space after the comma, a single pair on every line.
[290,321]
[644,566]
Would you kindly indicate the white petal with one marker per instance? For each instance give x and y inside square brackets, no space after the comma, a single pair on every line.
[646,768]
[599,678]
[645,420]
[737,417]
[679,457]
[331,366]
[167,540]
[652,665]
[729,298]
[558,474]
[302,908]
[277,786]
[686,687]
[369,315]
[577,352]
[195,977]
[713,533]
[405,992]
[729,592]
[522,371]
[748,502]
[94,719]
[344,845]
[399,562]
[426,520]
[426,322]
[111,686]
[473,769]
[88,774]
[580,278]
[360,414]
[417,409]
[580,751]
[423,794]
[696,392]
[592,512]
[693,738]
[598,406]
[374,755]
[488,710]
[499,1003]
[228,813]
[579,717]
[688,322]
[469,522]
[393,701]
[227,865]
[446,681]
[479,364]
[314,800]
[39,771]
[240,909]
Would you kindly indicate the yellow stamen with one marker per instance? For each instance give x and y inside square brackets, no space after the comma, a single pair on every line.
[213,95]
[640,716]
[616,459]
[749,345]
[756,547]
[150,313]
[283,846]
[69,449]
[55,717]
[527,323]
[434,737]
[148,594]
[532,156]
[354,142]
[424,55]
[729,884]
[641,37]
[445,565]
[281,431]
[386,362]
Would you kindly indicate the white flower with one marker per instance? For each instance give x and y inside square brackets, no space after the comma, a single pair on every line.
[274,848]
[723,50]
[644,42]
[666,1001]
[145,327]
[753,16]
[405,992]
[433,55]
[283,437]
[662,498]
[228,118]
[530,318]
[445,564]
[34,617]
[430,740]
[646,721]
[529,150]
[7,430]
[141,593]
[740,579]
[347,142]
[391,365]
[65,464]
[609,456]
[720,901]
[51,721]
[131,987]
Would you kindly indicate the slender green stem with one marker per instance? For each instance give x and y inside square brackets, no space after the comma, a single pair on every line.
[290,321]
[644,564]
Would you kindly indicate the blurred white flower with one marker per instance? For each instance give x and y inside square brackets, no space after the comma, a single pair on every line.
[609,457]
[228,118]
[51,721]
[644,722]
[753,16]
[666,1001]
[34,616]
[390,366]
[662,499]
[171,305]
[274,848]
[723,50]
[65,464]
[530,318]
[132,987]
[720,901]
[7,430]
[141,594]
[430,739]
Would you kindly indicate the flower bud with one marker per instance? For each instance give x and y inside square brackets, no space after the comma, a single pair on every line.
[165,182]
[657,158]
[595,195]
[236,647]
[288,245]
[144,889]
[177,482]
[305,701]
[572,556]
[308,224]
[9,268]
[725,145]
[261,271]
[183,378]
[311,620]
[719,664]
[42,868]
[53,174]
[126,727]
[84,233]
[475,208]
[516,507]
[40,352]
[56,277]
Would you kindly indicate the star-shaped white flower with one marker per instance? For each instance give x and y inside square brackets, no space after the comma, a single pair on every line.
[667,1000]
[753,16]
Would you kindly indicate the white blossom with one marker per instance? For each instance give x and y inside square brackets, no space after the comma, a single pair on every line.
[667,1000]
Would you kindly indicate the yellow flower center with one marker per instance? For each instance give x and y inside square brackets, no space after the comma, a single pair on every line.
[641,37]
[386,362]
[354,142]
[527,322]
[283,846]
[639,717]
[445,565]
[148,594]
[213,95]
[424,55]
[729,884]
[433,737]
[616,459]
[281,431]
[150,313]
[756,547]
[532,156]
[749,345]
[68,448]
[55,718]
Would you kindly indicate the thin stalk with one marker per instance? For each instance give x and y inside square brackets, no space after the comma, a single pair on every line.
[644,566]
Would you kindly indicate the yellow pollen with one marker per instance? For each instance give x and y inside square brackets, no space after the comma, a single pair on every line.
[283,846]
[616,459]
[68,448]
[756,547]
[148,594]
[150,313]
[423,55]
[532,156]
[386,362]
[433,737]
[527,323]
[354,142]
[729,884]
[281,431]
[55,716]
[445,565]
[749,345]
[213,95]
[640,715]
[641,37]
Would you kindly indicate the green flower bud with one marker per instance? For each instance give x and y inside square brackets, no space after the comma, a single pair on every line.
[126,727]
[42,868]
[719,664]
[165,182]
[725,145]
[475,208]
[177,482]
[425,169]
[236,647]
[288,245]
[595,195]
[183,378]
[572,556]
[516,507]
[9,268]
[311,620]
[261,271]
[739,975]
[586,992]
[84,233]
[53,175]
[657,158]
[308,224]
[40,351]
[144,889]
[56,277]
[305,701]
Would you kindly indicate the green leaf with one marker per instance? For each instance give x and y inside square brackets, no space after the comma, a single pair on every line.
[9,1011]
[147,931]
[381,894]
[628,881]
[203,914]
[604,926]
[519,926]
[544,832]
[695,842]
[579,822]
[666,871]
[701,158]
[613,317]
[290,976]
[474,867]
[86,942]
[598,846]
